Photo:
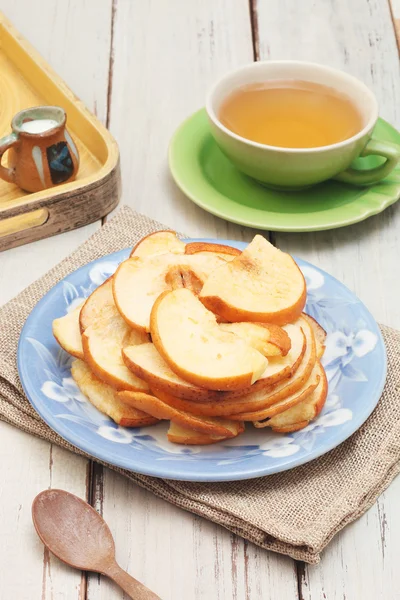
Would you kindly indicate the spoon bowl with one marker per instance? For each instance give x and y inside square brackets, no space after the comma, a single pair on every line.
[74,532]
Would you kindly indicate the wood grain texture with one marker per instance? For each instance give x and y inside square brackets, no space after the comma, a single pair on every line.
[361,561]
[358,37]
[178,555]
[80,55]
[30,465]
[166,55]
[74,37]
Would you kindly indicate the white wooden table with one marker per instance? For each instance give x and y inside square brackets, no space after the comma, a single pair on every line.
[142,66]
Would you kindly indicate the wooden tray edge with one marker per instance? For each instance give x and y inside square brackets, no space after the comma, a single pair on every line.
[73,187]
[71,211]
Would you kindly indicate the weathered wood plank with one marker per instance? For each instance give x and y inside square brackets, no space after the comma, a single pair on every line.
[179,555]
[361,561]
[75,39]
[395,13]
[165,58]
[358,37]
[30,465]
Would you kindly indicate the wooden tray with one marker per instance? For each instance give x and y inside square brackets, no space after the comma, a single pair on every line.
[27,80]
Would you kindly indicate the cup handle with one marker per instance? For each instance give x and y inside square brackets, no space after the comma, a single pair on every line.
[6,143]
[365,177]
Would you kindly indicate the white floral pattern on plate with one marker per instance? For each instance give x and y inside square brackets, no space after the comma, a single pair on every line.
[353,341]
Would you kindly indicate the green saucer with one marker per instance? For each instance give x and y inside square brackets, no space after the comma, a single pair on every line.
[208,178]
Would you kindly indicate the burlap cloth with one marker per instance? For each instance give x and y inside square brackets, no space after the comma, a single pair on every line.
[295,513]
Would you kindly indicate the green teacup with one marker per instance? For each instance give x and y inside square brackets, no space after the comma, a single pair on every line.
[291,168]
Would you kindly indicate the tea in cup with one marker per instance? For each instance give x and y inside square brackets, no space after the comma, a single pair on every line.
[42,152]
[291,124]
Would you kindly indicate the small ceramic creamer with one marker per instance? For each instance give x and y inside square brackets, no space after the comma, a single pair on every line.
[42,152]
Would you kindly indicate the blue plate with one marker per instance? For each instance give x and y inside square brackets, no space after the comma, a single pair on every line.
[355,362]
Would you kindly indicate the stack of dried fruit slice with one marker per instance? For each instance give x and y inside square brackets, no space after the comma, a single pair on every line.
[201,335]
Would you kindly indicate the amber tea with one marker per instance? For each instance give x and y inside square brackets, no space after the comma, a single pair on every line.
[290,114]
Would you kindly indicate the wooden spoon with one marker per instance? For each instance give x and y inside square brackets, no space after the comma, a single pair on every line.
[73,531]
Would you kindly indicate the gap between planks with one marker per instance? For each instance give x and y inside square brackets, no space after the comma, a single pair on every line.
[255,37]
[111,62]
[95,472]
[114,6]
[94,497]
[254,29]
[394,9]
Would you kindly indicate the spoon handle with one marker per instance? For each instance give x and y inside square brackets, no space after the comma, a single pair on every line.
[131,586]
